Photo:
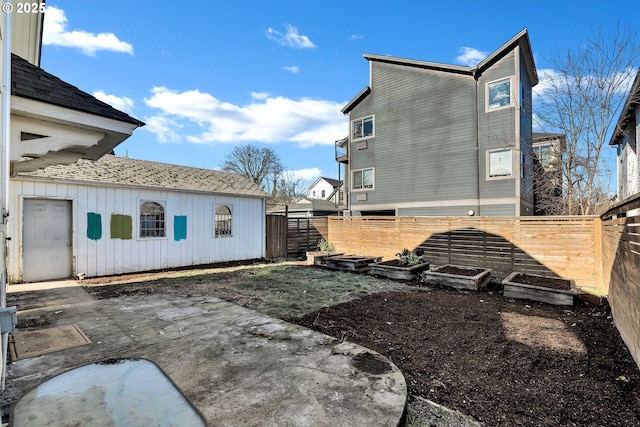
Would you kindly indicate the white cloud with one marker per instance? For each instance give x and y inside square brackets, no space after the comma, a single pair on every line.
[355,37]
[547,79]
[294,69]
[470,57]
[259,95]
[305,122]
[162,128]
[307,175]
[291,39]
[55,33]
[121,103]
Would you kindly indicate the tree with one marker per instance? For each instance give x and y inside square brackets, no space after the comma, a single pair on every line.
[255,163]
[581,98]
[288,189]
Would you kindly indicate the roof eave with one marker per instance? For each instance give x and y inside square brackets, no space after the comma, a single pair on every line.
[521,39]
[629,106]
[356,100]
[460,69]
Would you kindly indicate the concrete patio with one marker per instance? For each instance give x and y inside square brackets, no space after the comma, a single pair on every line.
[236,366]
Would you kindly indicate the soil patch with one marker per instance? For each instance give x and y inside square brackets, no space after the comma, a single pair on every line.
[452,269]
[500,361]
[545,282]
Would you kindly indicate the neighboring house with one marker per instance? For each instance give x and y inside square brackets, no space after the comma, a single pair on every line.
[548,149]
[325,189]
[306,207]
[627,137]
[436,139]
[118,215]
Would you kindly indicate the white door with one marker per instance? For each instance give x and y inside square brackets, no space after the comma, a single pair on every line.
[46,240]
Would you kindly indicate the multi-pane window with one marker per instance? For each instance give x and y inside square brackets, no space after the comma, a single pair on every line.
[362,128]
[152,223]
[222,221]
[363,179]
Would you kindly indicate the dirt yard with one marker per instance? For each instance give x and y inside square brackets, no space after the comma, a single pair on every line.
[500,361]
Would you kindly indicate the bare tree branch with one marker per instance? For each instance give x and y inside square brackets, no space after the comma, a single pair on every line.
[581,99]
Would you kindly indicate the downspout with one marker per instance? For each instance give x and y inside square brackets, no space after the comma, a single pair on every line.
[6,144]
[477,141]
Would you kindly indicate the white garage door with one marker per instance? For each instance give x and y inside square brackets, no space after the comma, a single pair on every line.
[46,240]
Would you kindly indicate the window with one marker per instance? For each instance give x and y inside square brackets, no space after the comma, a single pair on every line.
[498,94]
[544,154]
[362,128]
[499,163]
[222,221]
[152,219]
[363,179]
[324,193]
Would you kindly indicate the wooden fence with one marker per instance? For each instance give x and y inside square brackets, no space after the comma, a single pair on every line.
[303,235]
[621,269]
[276,234]
[567,247]
[292,237]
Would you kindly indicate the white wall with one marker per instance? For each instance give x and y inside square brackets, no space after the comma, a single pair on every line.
[320,185]
[629,161]
[107,256]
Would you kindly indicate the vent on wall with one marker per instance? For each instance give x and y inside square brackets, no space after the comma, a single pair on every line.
[361,197]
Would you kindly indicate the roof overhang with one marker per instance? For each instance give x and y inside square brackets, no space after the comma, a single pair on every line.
[522,40]
[43,134]
[633,100]
[356,100]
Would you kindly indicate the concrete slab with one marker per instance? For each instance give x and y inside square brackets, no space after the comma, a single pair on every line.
[236,366]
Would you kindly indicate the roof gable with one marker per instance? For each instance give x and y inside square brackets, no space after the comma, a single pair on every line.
[632,102]
[29,81]
[521,39]
[116,170]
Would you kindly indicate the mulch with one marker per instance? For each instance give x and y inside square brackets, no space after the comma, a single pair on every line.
[503,362]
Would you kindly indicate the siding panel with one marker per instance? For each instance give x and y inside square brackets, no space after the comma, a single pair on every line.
[107,256]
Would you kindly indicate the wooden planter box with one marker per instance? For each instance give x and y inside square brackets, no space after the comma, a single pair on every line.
[551,290]
[320,257]
[458,276]
[351,262]
[392,270]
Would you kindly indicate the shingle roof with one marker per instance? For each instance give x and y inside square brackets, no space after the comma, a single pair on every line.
[29,81]
[334,182]
[125,171]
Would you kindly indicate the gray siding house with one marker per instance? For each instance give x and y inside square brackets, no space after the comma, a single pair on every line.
[626,137]
[431,139]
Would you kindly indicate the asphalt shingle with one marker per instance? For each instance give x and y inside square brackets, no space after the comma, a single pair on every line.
[125,171]
[29,81]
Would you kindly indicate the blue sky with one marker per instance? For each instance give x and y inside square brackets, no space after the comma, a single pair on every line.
[209,75]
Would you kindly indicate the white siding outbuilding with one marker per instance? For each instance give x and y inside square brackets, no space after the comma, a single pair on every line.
[118,215]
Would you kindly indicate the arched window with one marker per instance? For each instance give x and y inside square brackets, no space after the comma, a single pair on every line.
[152,220]
[223,221]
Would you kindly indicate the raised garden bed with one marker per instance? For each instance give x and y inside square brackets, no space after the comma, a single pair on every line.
[392,269]
[351,262]
[458,276]
[320,257]
[551,290]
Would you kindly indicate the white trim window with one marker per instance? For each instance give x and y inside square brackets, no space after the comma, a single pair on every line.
[362,128]
[152,219]
[222,221]
[499,94]
[363,179]
[499,164]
